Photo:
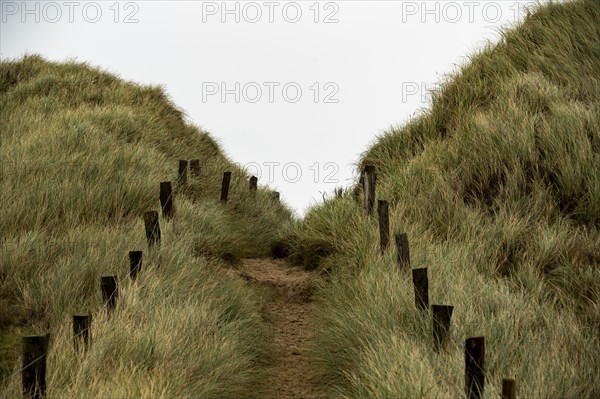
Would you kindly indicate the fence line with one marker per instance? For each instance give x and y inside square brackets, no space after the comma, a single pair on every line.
[474,347]
[33,377]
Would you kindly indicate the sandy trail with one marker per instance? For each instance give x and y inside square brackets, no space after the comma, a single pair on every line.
[290,312]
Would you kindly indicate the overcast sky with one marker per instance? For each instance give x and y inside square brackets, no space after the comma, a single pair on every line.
[294,91]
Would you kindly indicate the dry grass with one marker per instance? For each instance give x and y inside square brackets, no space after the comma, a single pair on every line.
[82,154]
[497,186]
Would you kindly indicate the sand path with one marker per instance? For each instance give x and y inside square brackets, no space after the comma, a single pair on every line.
[290,312]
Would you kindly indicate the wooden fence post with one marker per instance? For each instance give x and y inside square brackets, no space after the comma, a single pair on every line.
[135,263]
[474,367]
[81,331]
[110,291]
[225,186]
[384,224]
[152,228]
[166,199]
[421,284]
[182,172]
[402,252]
[441,324]
[253,183]
[194,167]
[33,372]
[509,389]
[369,188]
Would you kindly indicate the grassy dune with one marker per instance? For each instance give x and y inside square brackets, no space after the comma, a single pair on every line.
[81,157]
[498,188]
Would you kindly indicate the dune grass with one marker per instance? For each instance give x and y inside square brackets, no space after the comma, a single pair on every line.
[498,187]
[82,154]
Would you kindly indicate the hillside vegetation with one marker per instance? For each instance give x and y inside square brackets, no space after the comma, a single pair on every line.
[497,185]
[82,154]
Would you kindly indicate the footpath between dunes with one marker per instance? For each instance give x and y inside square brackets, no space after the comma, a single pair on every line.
[290,312]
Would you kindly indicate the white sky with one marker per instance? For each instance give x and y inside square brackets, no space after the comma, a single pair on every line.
[371,63]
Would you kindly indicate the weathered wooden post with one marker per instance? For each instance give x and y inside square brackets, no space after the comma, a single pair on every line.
[402,252]
[225,186]
[474,367]
[110,292]
[33,372]
[253,183]
[81,331]
[509,389]
[369,188]
[421,284]
[166,199]
[384,224]
[152,228]
[182,172]
[135,264]
[441,324]
[194,167]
